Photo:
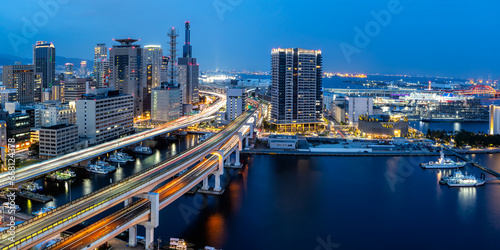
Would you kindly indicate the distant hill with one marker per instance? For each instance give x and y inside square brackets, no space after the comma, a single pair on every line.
[60,60]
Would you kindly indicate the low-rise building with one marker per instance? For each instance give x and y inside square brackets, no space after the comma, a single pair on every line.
[57,140]
[236,102]
[166,103]
[282,141]
[384,125]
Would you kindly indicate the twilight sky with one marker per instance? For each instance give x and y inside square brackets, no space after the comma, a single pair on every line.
[447,38]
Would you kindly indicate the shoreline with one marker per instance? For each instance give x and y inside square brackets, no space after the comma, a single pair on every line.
[308,153]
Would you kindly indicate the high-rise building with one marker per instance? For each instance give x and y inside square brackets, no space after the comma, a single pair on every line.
[101,65]
[296,88]
[104,115]
[68,71]
[164,69]
[7,95]
[494,120]
[189,70]
[236,102]
[127,72]
[153,60]
[83,69]
[74,89]
[172,62]
[44,59]
[22,78]
[166,103]
[18,127]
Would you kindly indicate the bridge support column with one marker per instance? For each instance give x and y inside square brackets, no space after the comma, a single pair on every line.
[150,234]
[154,221]
[217,187]
[132,236]
[205,184]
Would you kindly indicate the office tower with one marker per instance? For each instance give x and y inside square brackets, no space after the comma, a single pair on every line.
[164,69]
[104,124]
[494,120]
[22,78]
[44,59]
[235,103]
[68,71]
[127,73]
[83,69]
[101,65]
[188,71]
[74,89]
[57,140]
[166,103]
[296,88]
[153,60]
[172,62]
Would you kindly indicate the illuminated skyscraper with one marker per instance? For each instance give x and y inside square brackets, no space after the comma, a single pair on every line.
[68,71]
[188,71]
[101,65]
[153,59]
[296,88]
[83,69]
[127,71]
[44,59]
[21,78]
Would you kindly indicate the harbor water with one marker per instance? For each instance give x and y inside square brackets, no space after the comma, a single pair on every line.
[319,202]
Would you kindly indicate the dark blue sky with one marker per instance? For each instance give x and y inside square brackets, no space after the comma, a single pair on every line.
[452,38]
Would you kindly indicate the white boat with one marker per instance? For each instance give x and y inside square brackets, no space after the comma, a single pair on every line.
[96,169]
[176,243]
[8,206]
[466,181]
[105,165]
[125,156]
[143,150]
[43,210]
[443,162]
[117,159]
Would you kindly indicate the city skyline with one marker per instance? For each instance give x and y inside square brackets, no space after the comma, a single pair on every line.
[438,41]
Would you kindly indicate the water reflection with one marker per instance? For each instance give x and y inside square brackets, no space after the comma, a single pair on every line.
[216,229]
[466,201]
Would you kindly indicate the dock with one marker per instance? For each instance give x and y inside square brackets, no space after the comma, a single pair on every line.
[34,197]
[485,169]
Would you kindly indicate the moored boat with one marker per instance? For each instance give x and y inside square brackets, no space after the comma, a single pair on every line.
[443,162]
[143,150]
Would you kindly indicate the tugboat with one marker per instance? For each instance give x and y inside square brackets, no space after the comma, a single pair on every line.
[43,210]
[443,162]
[143,150]
[61,176]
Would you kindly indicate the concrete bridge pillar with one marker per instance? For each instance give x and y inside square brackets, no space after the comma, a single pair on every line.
[132,236]
[154,220]
[217,187]
[220,167]
[237,161]
[132,231]
[205,184]
[150,233]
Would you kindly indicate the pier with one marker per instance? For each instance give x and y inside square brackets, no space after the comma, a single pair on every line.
[485,169]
